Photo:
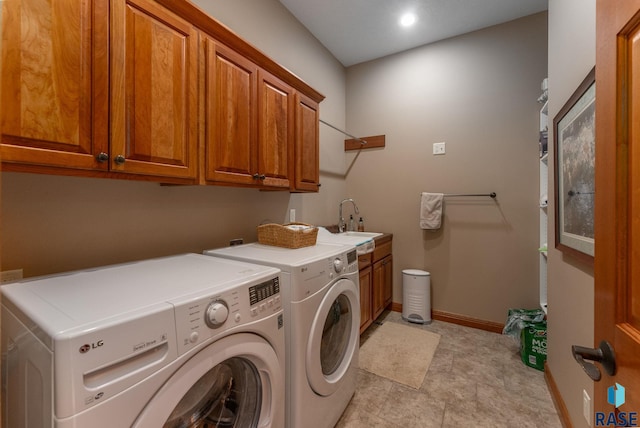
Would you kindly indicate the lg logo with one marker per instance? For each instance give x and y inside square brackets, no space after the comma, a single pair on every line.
[88,347]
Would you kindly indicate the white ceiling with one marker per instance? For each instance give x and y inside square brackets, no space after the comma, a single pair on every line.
[361,30]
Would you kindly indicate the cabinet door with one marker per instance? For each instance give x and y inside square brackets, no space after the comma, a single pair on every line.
[382,284]
[365,299]
[54,82]
[307,148]
[154,81]
[387,289]
[275,130]
[231,106]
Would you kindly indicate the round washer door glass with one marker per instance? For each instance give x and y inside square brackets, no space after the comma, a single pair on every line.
[335,335]
[333,341]
[236,381]
[228,395]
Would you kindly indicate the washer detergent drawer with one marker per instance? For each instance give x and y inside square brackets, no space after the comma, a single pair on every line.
[101,363]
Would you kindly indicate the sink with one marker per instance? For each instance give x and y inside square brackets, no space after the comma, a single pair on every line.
[363,241]
[366,235]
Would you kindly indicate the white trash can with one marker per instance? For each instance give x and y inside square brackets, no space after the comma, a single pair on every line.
[416,296]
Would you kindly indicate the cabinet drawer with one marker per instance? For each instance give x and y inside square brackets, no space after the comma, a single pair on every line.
[382,250]
[364,260]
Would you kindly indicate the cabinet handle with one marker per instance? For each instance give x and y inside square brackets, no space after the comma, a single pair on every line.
[262,176]
[119,159]
[102,157]
[256,176]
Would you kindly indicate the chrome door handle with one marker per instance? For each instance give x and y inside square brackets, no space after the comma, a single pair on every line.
[604,355]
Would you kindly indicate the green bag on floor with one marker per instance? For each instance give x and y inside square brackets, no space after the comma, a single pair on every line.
[533,344]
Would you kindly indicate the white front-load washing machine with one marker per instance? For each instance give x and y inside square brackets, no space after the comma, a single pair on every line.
[181,341]
[320,293]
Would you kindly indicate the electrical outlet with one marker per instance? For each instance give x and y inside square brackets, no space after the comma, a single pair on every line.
[438,148]
[292,215]
[586,406]
[237,241]
[10,276]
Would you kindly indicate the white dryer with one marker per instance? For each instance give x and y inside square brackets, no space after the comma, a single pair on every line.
[182,341]
[320,292]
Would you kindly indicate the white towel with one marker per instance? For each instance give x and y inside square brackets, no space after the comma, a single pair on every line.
[431,210]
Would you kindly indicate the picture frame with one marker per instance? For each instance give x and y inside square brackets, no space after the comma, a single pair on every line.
[574,187]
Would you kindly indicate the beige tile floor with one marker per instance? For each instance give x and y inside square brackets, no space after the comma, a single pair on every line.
[476,379]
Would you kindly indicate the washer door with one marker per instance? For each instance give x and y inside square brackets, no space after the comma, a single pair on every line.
[333,338]
[234,382]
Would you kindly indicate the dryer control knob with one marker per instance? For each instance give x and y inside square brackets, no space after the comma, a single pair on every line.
[337,265]
[217,313]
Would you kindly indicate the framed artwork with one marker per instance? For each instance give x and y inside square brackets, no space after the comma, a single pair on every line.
[574,150]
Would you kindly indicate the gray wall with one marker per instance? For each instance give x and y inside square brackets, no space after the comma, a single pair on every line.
[477,93]
[571,295]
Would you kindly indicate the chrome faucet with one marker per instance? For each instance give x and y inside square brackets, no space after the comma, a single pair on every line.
[341,223]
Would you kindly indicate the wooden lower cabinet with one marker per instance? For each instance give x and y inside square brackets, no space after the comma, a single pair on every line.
[382,284]
[376,281]
[365,298]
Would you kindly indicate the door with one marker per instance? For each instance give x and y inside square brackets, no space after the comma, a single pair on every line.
[617,211]
[230,116]
[382,284]
[334,337]
[234,382]
[54,82]
[154,78]
[275,130]
[365,298]
[307,144]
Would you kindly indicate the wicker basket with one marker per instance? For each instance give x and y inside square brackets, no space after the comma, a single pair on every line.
[281,236]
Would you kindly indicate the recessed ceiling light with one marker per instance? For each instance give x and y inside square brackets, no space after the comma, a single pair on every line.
[408,19]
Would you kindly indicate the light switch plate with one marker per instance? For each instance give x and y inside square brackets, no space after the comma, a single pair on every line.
[438,148]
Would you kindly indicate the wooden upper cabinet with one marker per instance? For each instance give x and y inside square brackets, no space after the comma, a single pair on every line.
[153,90]
[154,84]
[54,82]
[276,106]
[230,116]
[249,122]
[307,147]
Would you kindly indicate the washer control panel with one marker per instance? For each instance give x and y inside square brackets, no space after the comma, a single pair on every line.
[264,296]
[346,262]
[200,318]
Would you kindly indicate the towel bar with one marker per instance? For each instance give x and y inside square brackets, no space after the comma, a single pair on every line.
[491,195]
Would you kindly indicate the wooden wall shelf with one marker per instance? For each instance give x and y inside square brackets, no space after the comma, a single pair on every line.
[373,142]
